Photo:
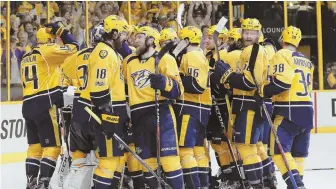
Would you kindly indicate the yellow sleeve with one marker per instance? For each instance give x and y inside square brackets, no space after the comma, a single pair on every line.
[68,69]
[281,68]
[168,67]
[55,54]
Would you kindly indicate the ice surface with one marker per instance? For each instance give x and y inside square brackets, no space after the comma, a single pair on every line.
[322,155]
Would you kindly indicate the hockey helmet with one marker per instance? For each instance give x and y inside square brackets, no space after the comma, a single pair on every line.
[261,37]
[291,35]
[222,34]
[43,36]
[235,33]
[150,32]
[167,34]
[251,24]
[97,33]
[192,33]
[114,22]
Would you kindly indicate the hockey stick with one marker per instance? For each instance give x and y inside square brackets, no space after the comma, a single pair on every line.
[240,169]
[220,118]
[122,178]
[252,61]
[94,116]
[162,52]
[179,15]
[220,25]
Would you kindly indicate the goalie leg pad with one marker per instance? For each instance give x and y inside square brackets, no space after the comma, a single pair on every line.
[190,167]
[79,178]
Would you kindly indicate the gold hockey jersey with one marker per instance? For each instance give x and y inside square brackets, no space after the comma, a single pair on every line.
[136,72]
[40,77]
[242,82]
[105,82]
[293,73]
[75,70]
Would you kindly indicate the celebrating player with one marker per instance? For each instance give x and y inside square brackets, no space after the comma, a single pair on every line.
[142,81]
[42,95]
[290,88]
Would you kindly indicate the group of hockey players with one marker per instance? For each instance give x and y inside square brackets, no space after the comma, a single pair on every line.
[169,108]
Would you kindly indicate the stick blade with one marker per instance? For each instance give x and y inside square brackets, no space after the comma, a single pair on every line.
[179,15]
[221,24]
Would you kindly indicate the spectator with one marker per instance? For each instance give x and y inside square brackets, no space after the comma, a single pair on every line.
[196,17]
[29,28]
[24,44]
[15,58]
[331,75]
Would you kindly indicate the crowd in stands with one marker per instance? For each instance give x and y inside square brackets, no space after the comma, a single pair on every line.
[27,16]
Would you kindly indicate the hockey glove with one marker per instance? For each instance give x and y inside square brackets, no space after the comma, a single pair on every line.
[110,121]
[160,82]
[56,28]
[222,73]
[258,98]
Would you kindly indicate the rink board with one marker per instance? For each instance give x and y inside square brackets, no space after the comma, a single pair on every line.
[14,141]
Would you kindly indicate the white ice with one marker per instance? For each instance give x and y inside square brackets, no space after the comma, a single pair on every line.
[322,155]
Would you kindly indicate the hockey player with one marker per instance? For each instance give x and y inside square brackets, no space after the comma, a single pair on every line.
[247,115]
[193,110]
[167,35]
[42,95]
[230,56]
[105,91]
[139,71]
[269,176]
[290,88]
[82,134]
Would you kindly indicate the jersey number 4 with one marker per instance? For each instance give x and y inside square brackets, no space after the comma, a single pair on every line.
[30,70]
[305,80]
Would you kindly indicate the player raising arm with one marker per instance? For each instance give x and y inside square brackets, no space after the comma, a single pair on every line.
[42,95]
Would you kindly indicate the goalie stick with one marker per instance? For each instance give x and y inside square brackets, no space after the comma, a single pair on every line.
[94,116]
[252,62]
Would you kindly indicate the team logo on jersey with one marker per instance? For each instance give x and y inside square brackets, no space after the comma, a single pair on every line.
[141,78]
[103,54]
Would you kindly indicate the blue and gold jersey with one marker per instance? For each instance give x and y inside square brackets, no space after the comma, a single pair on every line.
[293,72]
[242,82]
[194,69]
[75,68]
[137,71]
[105,82]
[41,77]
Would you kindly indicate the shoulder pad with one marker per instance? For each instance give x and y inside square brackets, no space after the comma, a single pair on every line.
[87,50]
[132,57]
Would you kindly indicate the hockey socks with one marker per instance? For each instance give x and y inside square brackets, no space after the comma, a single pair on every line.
[191,178]
[47,167]
[32,170]
[279,162]
[137,178]
[150,180]
[115,180]
[101,182]
[175,179]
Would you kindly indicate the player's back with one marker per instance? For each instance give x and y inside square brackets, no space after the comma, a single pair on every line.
[296,70]
[75,69]
[105,74]
[192,63]
[40,76]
